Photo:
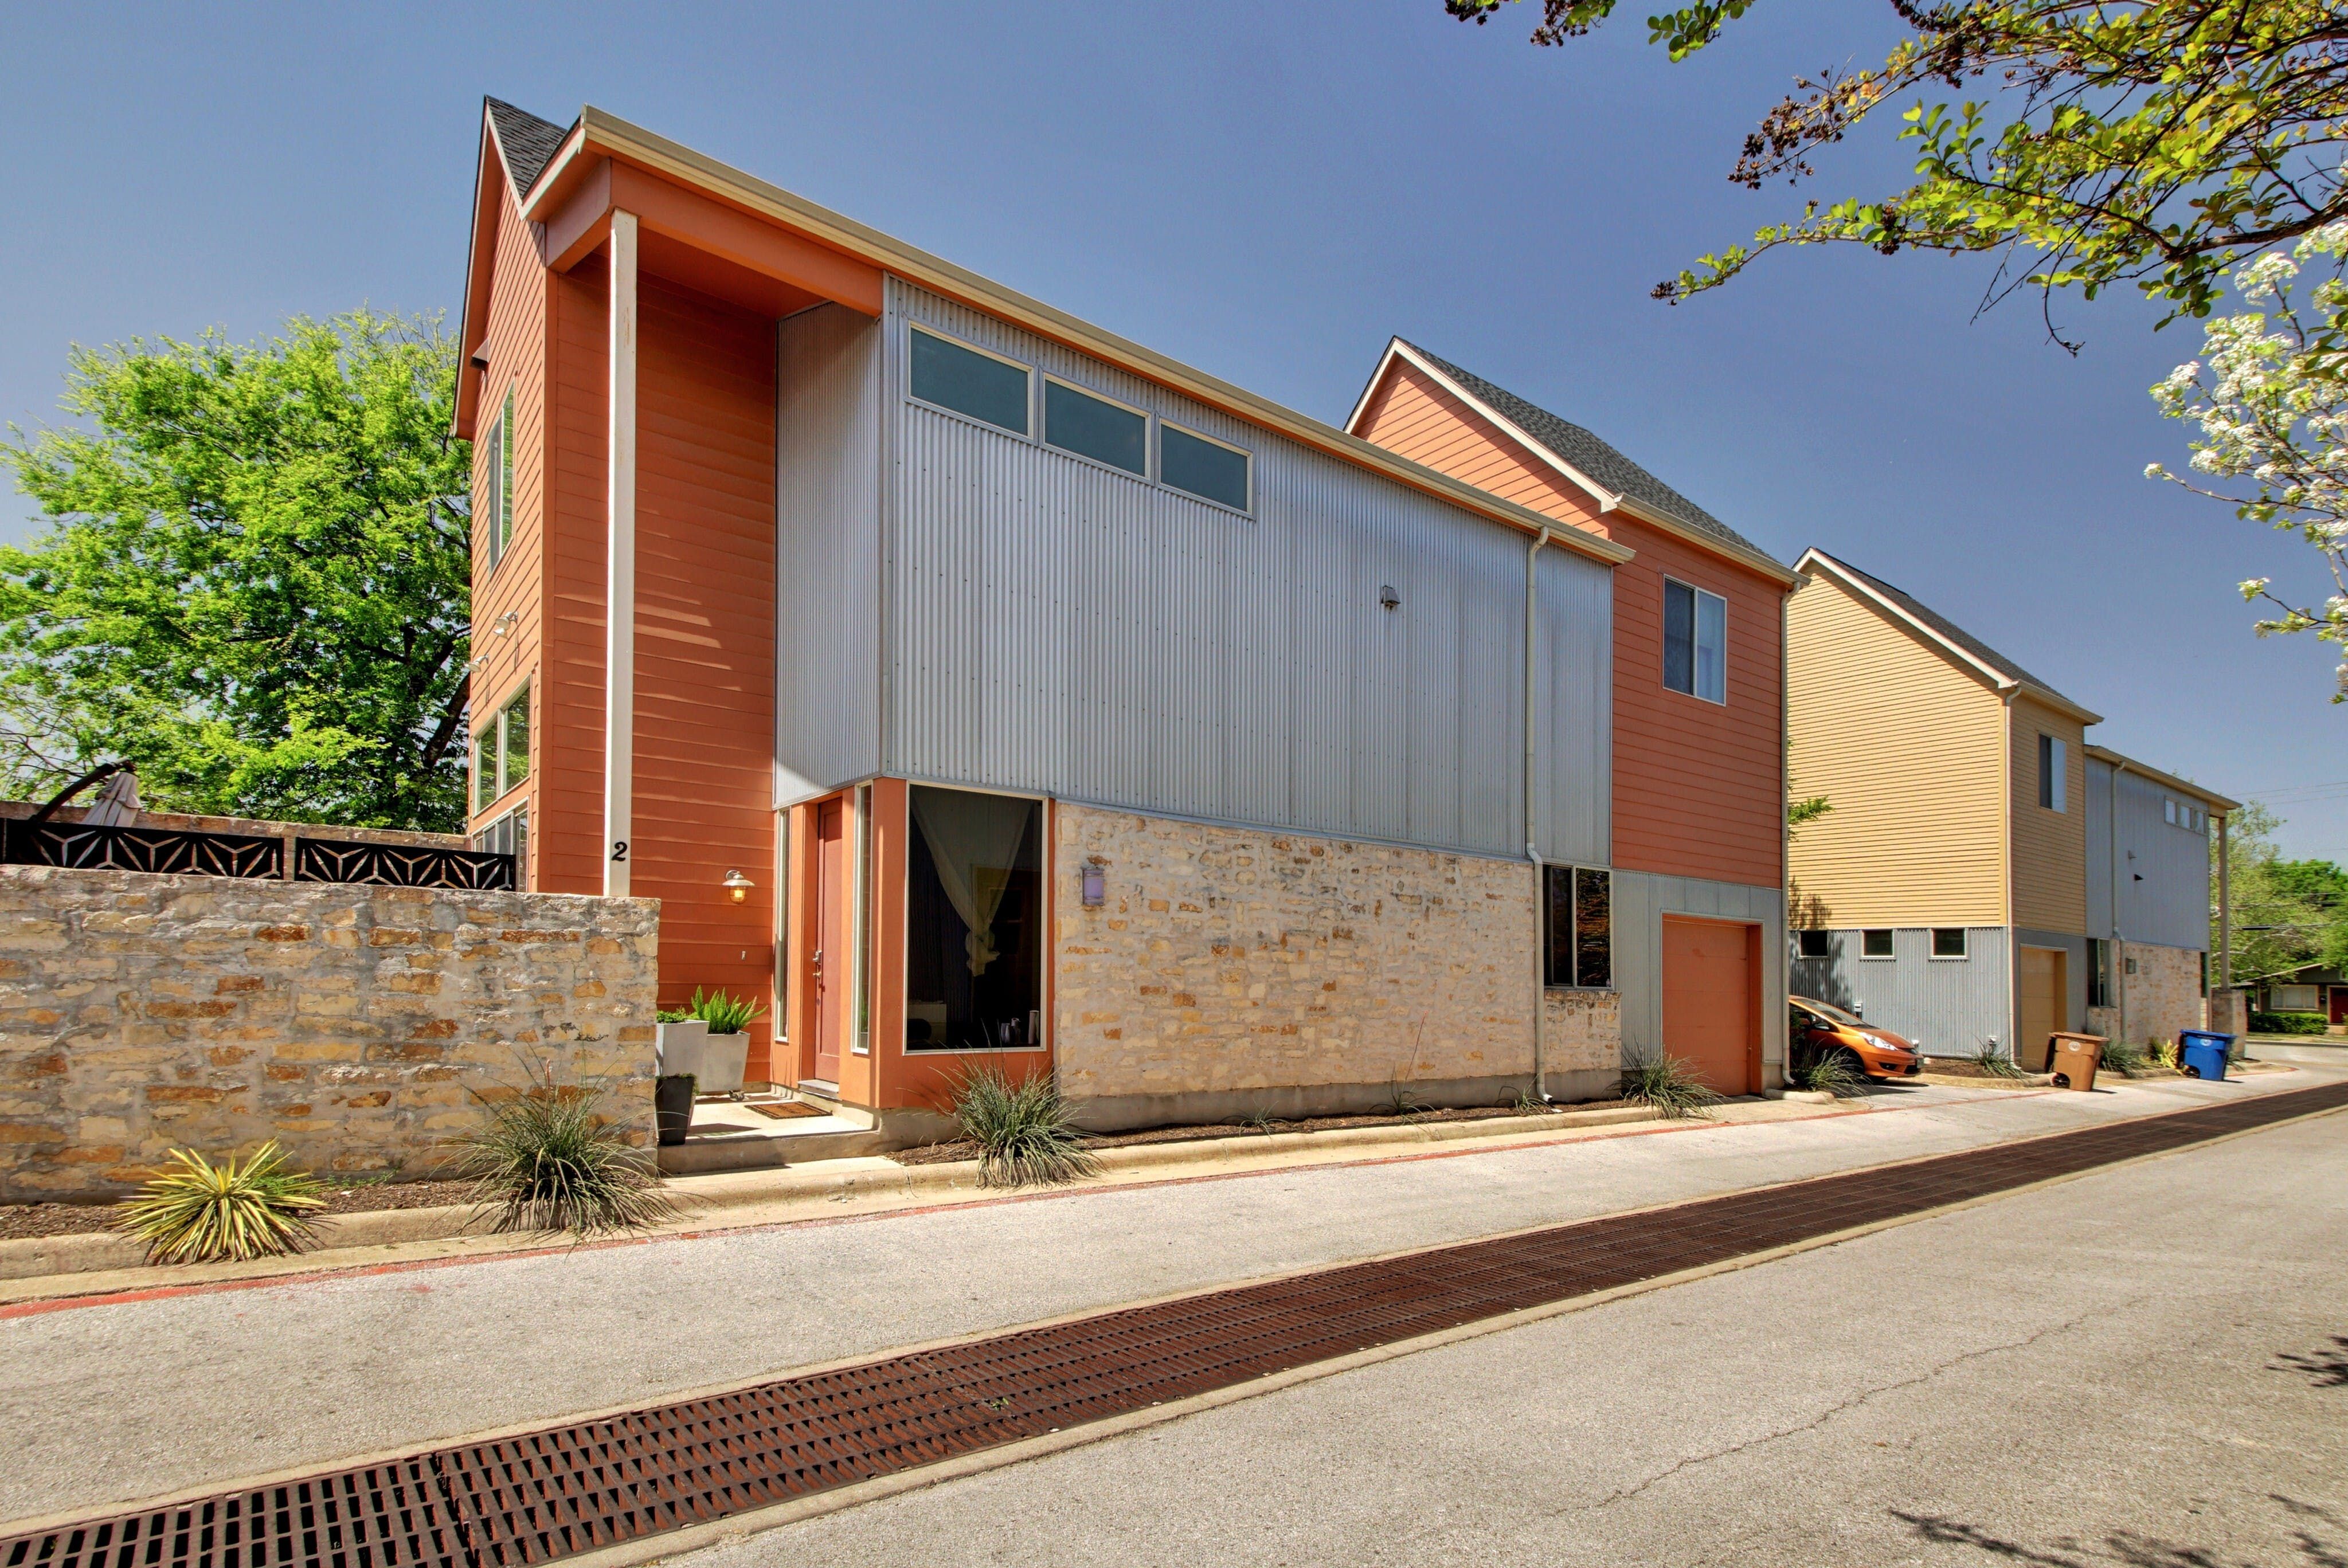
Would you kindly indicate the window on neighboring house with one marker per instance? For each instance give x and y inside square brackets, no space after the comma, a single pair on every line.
[986,386]
[1580,917]
[2053,755]
[1204,467]
[502,751]
[1948,941]
[1696,641]
[495,516]
[1875,944]
[1811,944]
[2100,972]
[2168,810]
[509,835]
[1092,427]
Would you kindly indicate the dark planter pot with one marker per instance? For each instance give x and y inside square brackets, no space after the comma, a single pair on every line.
[672,1106]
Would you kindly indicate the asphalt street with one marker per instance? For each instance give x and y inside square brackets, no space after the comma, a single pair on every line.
[133,1399]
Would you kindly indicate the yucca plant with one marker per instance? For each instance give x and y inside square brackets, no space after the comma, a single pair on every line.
[203,1213]
[546,1158]
[2124,1057]
[1993,1061]
[1834,1072]
[1026,1132]
[1667,1083]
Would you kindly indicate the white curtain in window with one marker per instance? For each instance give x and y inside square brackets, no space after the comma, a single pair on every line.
[973,840]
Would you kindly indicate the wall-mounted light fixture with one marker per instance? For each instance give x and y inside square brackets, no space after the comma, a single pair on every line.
[737,887]
[1095,886]
[1387,597]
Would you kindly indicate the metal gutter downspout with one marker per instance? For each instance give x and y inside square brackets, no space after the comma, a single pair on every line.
[1532,830]
[2005,875]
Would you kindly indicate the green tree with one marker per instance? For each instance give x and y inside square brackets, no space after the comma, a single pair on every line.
[2285,912]
[2153,143]
[256,581]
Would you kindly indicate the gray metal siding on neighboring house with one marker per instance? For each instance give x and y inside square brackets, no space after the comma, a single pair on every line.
[1949,1006]
[2170,906]
[1642,899]
[828,538]
[1057,626]
[2099,848]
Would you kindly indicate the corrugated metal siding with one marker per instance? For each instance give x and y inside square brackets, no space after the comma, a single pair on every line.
[828,525]
[2171,906]
[1061,627]
[2100,870]
[1642,899]
[1948,1006]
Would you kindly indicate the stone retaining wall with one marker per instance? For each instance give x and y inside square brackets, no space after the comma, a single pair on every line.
[355,1024]
[1232,971]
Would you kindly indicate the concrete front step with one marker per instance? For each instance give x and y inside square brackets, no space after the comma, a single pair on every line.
[732,1136]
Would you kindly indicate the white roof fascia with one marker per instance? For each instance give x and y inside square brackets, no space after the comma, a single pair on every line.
[1397,349]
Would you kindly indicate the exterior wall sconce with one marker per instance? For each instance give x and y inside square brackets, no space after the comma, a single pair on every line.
[737,887]
[1095,891]
[1387,597]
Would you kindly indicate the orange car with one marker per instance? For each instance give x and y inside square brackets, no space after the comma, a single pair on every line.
[1820,1028]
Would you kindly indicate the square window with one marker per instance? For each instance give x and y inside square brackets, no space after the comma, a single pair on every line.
[1948,941]
[984,386]
[1811,944]
[1208,470]
[1696,641]
[1875,944]
[1092,427]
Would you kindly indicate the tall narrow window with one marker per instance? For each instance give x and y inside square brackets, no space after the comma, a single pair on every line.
[502,751]
[1578,926]
[983,385]
[2100,972]
[1696,641]
[493,504]
[1092,427]
[2052,757]
[975,929]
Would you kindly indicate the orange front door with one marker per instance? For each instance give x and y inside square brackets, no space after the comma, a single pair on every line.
[831,968]
[1709,1016]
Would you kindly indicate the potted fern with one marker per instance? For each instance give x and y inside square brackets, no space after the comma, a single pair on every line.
[709,1039]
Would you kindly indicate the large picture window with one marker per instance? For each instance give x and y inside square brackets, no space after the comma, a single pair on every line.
[1696,641]
[1580,919]
[975,937]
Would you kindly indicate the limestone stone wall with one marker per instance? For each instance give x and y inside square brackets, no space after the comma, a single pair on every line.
[353,1024]
[1232,971]
[2163,993]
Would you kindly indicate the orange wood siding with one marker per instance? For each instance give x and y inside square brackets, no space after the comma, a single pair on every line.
[515,348]
[1698,789]
[706,643]
[570,790]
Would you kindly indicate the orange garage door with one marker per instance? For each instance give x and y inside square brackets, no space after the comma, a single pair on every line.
[1709,1016]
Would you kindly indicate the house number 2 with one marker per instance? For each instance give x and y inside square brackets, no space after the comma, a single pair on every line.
[618,850]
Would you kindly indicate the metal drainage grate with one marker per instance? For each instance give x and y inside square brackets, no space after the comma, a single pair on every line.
[534,1499]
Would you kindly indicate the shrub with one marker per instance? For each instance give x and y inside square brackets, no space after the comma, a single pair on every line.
[1994,1062]
[203,1213]
[1667,1083]
[2124,1057]
[2164,1052]
[1025,1132]
[547,1159]
[2287,1023]
[1835,1072]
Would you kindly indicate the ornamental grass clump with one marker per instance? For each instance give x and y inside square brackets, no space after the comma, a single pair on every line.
[1026,1132]
[547,1159]
[1667,1083]
[2124,1057]
[1993,1062]
[1834,1072]
[203,1213]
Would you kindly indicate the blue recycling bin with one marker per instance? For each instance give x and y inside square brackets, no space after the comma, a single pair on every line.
[2202,1052]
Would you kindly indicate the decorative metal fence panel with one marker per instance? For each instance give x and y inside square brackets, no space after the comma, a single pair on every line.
[160,850]
[401,866]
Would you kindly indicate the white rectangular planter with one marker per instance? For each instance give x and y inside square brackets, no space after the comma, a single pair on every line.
[716,1061]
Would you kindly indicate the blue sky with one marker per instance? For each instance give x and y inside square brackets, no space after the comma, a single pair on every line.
[1267,192]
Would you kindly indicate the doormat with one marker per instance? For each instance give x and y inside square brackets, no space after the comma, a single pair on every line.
[784,1110]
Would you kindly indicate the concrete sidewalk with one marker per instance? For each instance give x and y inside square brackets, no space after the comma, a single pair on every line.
[135,1399]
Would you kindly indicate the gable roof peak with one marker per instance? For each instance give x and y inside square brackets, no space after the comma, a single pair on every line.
[526,143]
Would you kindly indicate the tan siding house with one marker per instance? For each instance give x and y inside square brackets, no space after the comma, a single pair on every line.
[1945,888]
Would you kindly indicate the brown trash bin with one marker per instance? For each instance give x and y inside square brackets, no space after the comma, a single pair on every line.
[2073,1059]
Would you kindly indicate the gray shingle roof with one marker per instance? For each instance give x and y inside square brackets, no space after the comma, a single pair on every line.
[1579,449]
[2005,667]
[528,142]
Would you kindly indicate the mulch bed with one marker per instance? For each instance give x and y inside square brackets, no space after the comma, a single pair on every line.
[943,1153]
[20,1221]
